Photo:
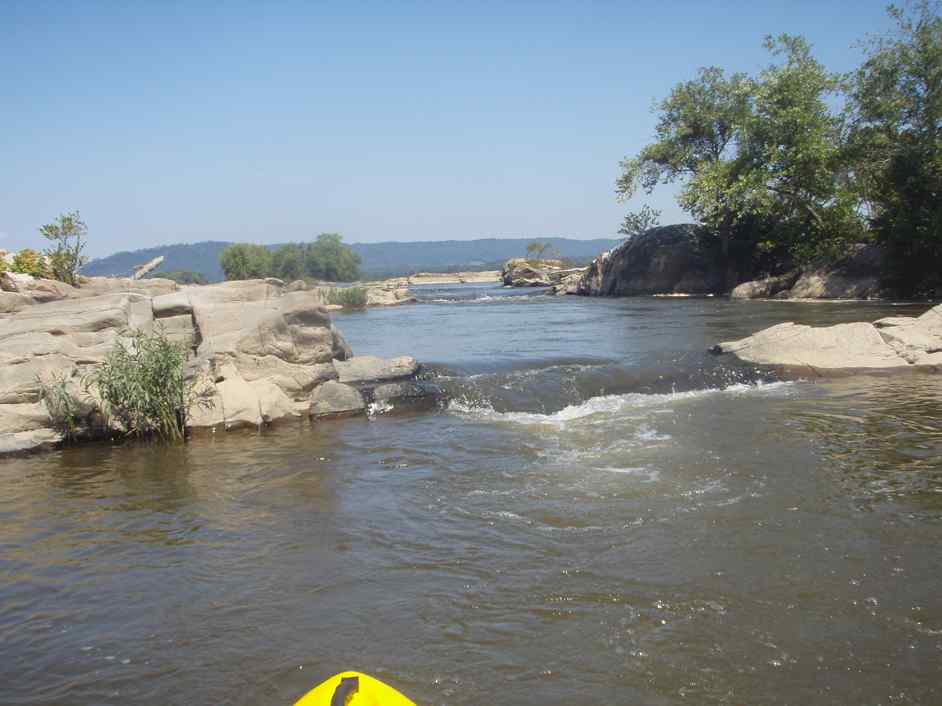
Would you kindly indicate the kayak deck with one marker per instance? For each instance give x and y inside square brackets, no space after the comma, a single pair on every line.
[353,689]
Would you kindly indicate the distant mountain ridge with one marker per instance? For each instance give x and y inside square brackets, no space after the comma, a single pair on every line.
[386,259]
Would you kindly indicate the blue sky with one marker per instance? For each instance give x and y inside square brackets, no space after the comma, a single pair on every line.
[182,121]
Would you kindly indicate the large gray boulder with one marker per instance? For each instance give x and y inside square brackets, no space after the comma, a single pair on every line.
[900,342]
[677,259]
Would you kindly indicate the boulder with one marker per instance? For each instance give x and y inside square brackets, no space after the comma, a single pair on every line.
[568,282]
[901,343]
[765,288]
[234,402]
[13,301]
[855,276]
[669,259]
[371,369]
[335,399]
[389,296]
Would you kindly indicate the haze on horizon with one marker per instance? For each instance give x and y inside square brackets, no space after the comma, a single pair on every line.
[181,122]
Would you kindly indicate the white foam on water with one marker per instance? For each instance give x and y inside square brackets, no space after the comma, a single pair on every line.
[648,475]
[377,408]
[605,404]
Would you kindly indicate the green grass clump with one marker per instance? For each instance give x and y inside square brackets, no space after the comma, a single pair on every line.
[64,410]
[143,387]
[347,297]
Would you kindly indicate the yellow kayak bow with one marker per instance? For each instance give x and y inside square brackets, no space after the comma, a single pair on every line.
[353,689]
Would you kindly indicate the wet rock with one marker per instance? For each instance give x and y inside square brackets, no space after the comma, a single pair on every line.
[409,393]
[335,399]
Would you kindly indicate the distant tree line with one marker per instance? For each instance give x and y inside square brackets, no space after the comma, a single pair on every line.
[326,259]
[797,163]
[181,276]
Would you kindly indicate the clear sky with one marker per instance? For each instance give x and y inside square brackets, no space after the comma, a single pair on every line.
[169,122]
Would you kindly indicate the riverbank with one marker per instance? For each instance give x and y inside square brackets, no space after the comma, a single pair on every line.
[258,352]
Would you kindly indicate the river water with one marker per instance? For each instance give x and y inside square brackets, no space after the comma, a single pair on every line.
[603,514]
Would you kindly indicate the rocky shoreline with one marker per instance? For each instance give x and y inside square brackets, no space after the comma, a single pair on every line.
[261,351]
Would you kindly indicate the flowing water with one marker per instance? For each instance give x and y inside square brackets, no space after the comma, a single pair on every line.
[603,513]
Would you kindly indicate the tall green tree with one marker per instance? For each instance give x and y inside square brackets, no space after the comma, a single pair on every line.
[244,261]
[791,168]
[759,159]
[699,128]
[68,235]
[896,146]
[329,259]
[288,262]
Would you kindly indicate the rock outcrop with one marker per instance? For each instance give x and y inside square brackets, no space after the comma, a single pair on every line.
[521,272]
[667,260]
[377,294]
[258,353]
[895,342]
[856,276]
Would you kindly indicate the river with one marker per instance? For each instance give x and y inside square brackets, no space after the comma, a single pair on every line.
[604,513]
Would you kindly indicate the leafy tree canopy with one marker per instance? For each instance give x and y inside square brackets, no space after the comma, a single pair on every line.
[636,223]
[327,258]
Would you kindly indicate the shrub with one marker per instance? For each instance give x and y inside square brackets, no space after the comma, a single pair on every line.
[30,262]
[64,410]
[347,297]
[143,387]
[68,234]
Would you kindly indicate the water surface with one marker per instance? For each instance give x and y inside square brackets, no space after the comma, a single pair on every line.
[603,513]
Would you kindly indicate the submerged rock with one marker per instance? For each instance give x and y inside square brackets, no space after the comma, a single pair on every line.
[411,394]
[335,399]
[899,342]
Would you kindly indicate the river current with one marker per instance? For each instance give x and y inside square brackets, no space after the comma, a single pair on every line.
[602,513]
